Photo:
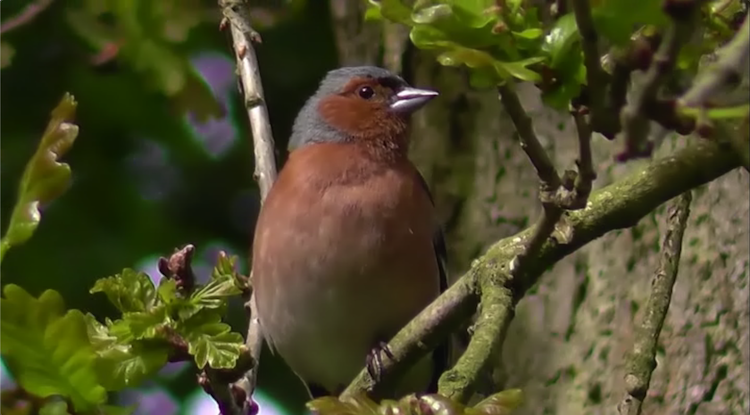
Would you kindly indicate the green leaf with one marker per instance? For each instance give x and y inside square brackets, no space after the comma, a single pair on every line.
[122,365]
[428,37]
[616,19]
[167,291]
[373,13]
[560,41]
[146,325]
[501,403]
[475,14]
[432,14]
[396,11]
[120,368]
[6,54]
[54,408]
[519,69]
[531,34]
[47,350]
[214,294]
[45,178]
[129,291]
[211,342]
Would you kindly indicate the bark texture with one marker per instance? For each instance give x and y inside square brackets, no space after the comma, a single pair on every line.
[566,346]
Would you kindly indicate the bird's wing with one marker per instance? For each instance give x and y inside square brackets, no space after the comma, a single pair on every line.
[438,242]
[441,355]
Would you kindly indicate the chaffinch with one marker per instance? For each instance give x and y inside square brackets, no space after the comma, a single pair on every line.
[347,247]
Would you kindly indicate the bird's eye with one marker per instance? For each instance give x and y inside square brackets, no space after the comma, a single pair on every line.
[366,92]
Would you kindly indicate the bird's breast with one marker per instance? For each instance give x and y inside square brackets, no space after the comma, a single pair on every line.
[338,267]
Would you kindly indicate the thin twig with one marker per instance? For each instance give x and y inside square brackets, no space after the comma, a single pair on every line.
[28,14]
[727,70]
[634,118]
[243,37]
[556,194]
[641,362]
[586,174]
[548,176]
[550,181]
[617,206]
[596,78]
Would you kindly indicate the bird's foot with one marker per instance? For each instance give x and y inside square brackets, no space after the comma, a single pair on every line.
[375,359]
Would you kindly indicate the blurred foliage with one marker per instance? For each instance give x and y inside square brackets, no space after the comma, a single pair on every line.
[146,176]
[501,403]
[500,41]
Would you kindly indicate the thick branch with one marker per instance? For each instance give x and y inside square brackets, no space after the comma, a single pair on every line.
[421,336]
[496,311]
[617,206]
[727,70]
[634,117]
[243,36]
[641,362]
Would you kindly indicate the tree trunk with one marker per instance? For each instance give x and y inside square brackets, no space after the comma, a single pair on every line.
[566,346]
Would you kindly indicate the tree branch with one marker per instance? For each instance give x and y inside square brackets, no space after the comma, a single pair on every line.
[496,311]
[727,70]
[596,78]
[641,362]
[550,182]
[243,36]
[634,118]
[617,206]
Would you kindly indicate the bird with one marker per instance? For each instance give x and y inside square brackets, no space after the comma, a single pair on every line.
[347,246]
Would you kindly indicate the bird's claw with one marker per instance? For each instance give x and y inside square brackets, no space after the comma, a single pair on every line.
[375,359]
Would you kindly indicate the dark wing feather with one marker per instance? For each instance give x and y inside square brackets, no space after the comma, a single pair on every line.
[442,353]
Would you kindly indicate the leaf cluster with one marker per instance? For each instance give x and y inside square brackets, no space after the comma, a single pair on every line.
[502,40]
[54,352]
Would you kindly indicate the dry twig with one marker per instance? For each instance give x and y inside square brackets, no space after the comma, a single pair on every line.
[243,37]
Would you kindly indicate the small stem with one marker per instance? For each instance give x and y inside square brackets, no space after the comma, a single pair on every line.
[596,78]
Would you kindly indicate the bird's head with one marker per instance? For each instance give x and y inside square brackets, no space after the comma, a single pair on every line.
[359,104]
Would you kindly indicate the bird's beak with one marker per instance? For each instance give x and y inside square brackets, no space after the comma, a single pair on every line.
[408,99]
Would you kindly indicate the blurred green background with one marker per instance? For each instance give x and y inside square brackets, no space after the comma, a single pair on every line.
[164,154]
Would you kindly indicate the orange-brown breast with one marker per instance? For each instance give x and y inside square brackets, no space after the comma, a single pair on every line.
[342,258]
